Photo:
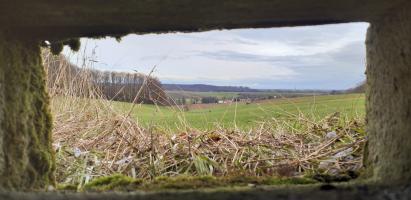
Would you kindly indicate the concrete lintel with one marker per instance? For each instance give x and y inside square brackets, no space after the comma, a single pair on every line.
[59,19]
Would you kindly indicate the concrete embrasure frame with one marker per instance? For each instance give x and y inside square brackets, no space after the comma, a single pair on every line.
[26,159]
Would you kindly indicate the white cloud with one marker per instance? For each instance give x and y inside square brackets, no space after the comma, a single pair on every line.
[226,70]
[306,56]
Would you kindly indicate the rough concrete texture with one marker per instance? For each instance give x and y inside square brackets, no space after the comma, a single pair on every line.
[263,193]
[25,156]
[26,160]
[61,19]
[389,97]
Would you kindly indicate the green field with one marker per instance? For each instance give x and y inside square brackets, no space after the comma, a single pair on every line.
[246,116]
[230,95]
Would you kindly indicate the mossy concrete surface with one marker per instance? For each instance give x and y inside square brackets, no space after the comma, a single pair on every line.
[183,182]
[26,159]
[310,192]
[389,97]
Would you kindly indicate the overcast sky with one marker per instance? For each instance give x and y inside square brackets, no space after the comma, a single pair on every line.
[314,57]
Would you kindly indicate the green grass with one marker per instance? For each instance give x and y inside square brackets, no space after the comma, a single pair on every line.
[246,116]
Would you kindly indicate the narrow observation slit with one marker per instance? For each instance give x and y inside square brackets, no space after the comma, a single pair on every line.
[243,107]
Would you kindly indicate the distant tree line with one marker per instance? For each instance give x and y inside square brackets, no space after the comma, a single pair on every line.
[130,87]
[65,77]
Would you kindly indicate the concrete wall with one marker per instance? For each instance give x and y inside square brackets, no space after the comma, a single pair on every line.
[389,97]
[26,159]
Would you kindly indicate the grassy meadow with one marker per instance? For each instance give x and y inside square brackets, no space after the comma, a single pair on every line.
[304,137]
[242,115]
[278,141]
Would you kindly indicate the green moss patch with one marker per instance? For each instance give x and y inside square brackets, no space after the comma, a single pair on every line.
[182,182]
[67,187]
[342,177]
[115,182]
[124,183]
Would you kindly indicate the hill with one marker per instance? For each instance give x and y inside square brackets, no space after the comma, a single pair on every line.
[207,88]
